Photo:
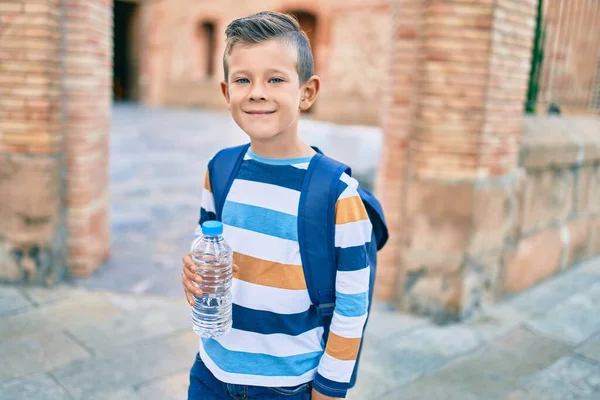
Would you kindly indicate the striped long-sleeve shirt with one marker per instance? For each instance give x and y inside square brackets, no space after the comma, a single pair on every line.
[277,338]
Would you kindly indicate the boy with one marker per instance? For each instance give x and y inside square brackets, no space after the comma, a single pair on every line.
[275,349]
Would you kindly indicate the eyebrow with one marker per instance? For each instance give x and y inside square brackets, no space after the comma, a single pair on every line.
[244,72]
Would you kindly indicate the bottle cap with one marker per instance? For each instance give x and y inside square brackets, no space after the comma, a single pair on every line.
[212,228]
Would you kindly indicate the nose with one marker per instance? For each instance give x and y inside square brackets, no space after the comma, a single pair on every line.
[258,92]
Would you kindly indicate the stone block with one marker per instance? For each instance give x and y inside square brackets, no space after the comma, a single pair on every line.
[445,341]
[120,394]
[73,311]
[527,351]
[43,296]
[579,244]
[370,385]
[38,352]
[482,283]
[496,321]
[590,267]
[12,301]
[436,295]
[37,386]
[547,197]
[493,216]
[567,378]
[544,143]
[525,395]
[555,290]
[534,259]
[487,374]
[32,236]
[593,189]
[171,388]
[591,348]
[129,365]
[439,219]
[32,210]
[586,188]
[457,232]
[574,320]
[387,324]
[431,388]
[129,328]
[595,236]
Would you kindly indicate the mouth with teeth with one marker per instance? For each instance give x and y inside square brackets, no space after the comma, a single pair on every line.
[259,113]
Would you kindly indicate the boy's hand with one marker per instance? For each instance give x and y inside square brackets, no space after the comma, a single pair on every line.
[189,276]
[319,396]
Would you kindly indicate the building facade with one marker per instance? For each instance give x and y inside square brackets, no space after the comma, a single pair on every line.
[182,41]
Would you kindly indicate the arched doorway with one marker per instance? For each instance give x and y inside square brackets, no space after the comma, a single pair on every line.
[206,42]
[125,50]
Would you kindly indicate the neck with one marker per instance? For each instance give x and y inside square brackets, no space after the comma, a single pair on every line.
[283,145]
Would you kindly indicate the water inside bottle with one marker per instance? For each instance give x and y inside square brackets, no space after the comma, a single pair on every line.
[211,314]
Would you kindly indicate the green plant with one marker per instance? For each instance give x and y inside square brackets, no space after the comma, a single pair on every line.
[537,60]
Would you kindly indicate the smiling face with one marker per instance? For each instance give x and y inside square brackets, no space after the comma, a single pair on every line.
[263,89]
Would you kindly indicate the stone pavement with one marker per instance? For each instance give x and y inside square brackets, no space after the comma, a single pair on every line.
[75,343]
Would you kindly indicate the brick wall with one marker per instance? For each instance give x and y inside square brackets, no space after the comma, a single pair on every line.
[87,104]
[54,122]
[452,125]
[572,53]
[351,47]
[32,207]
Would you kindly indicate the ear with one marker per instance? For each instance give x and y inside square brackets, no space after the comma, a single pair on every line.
[225,91]
[309,92]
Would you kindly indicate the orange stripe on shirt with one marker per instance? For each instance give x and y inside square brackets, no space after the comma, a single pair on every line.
[350,209]
[207,182]
[342,348]
[269,273]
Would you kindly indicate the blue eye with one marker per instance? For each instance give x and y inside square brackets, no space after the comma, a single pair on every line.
[242,80]
[276,80]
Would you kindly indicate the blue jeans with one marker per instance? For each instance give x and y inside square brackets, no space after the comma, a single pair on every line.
[204,386]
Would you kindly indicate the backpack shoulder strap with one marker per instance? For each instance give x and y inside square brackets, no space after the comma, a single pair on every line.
[376,216]
[222,170]
[316,232]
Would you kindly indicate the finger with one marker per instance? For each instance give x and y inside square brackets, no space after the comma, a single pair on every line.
[190,298]
[190,288]
[192,276]
[188,262]
[235,268]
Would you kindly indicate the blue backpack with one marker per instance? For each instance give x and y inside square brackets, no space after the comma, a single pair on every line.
[316,224]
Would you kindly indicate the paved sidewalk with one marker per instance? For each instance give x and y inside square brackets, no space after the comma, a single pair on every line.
[74,343]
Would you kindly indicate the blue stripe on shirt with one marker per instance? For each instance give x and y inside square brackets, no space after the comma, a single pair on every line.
[351,305]
[266,322]
[239,362]
[284,176]
[351,258]
[268,222]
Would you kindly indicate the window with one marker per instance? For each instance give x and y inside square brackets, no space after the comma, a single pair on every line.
[206,36]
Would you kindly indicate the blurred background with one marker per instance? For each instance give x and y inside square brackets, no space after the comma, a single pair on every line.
[476,122]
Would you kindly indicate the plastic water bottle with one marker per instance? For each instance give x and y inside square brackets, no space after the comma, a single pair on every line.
[211,314]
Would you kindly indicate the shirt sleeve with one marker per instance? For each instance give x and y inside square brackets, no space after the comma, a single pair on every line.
[207,207]
[352,235]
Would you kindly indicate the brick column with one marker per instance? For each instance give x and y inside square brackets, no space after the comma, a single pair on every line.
[55,69]
[398,121]
[87,105]
[451,143]
[32,209]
